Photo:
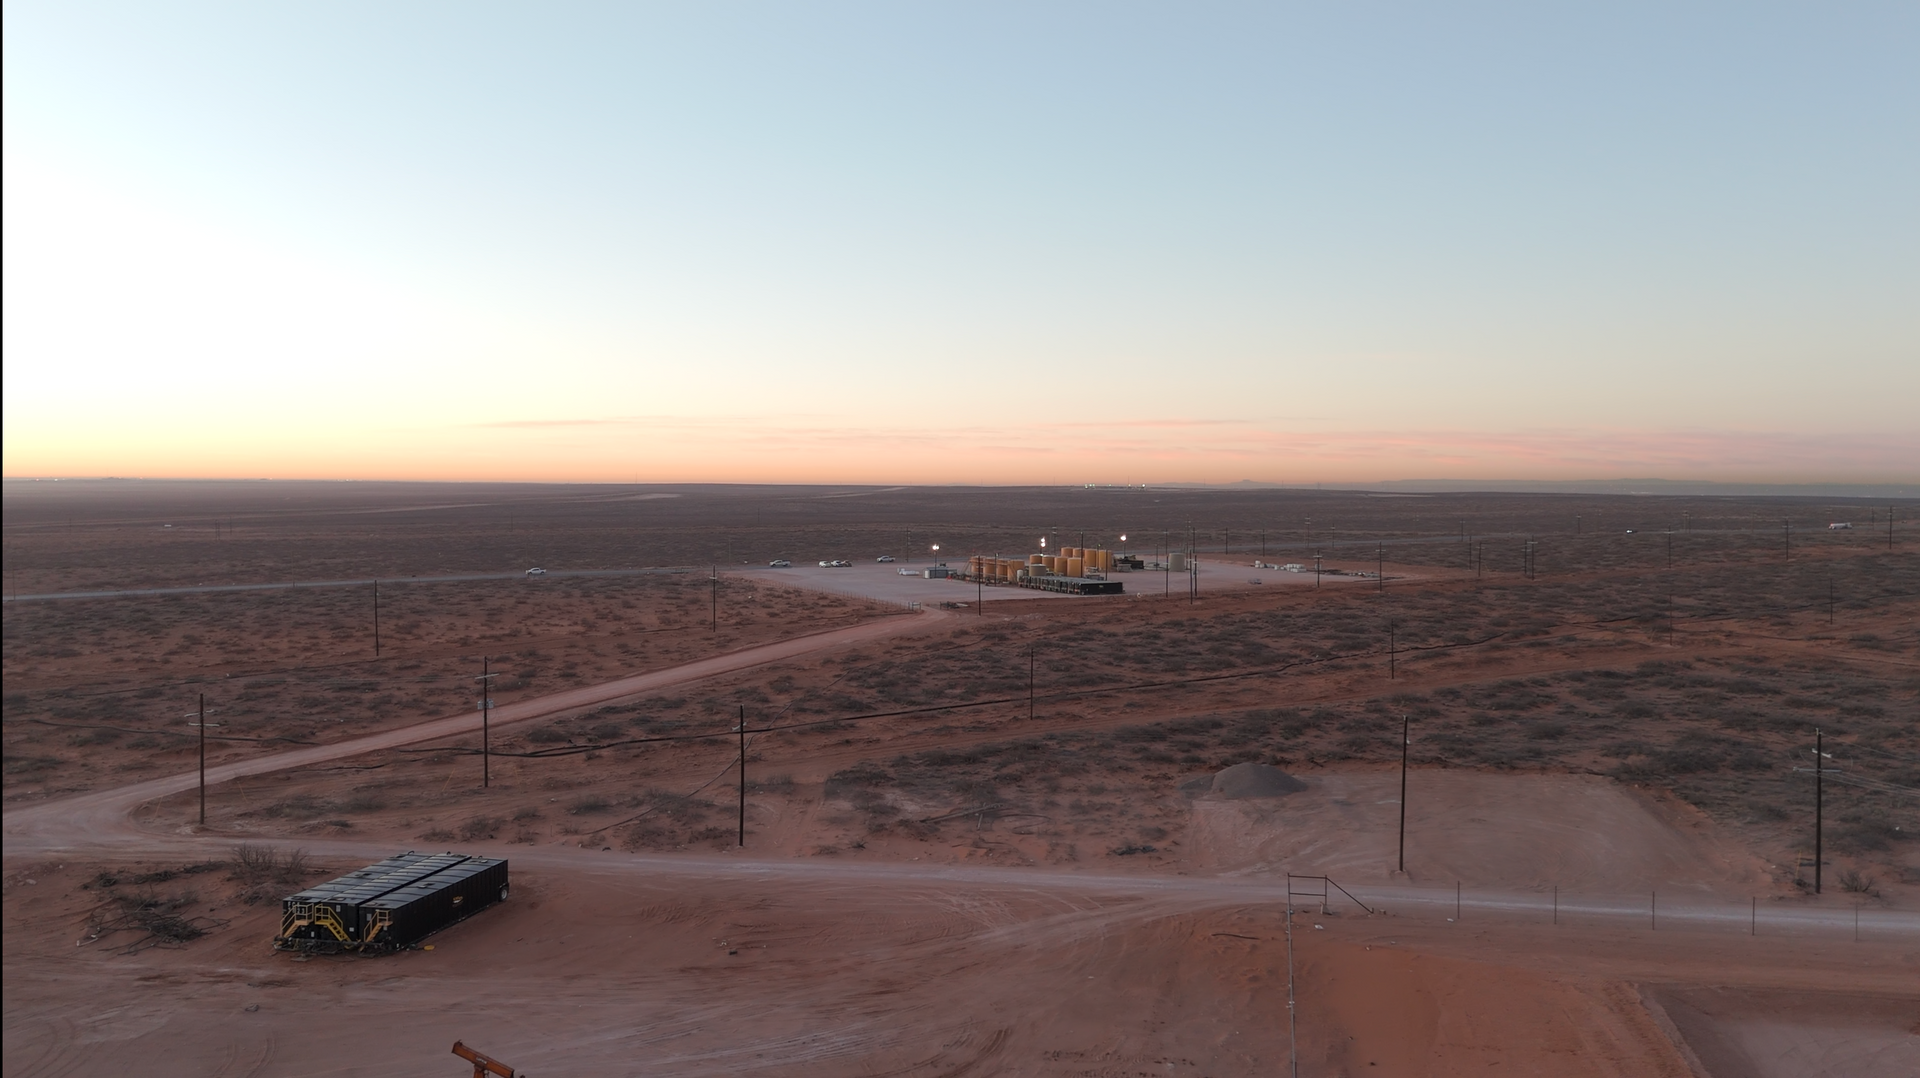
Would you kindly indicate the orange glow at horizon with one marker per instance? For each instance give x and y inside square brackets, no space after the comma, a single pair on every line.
[763,450]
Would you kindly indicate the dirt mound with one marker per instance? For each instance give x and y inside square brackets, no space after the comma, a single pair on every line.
[1244,780]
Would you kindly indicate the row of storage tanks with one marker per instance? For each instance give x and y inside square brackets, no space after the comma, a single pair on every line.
[1071,561]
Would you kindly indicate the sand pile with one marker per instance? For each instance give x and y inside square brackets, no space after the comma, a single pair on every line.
[1244,780]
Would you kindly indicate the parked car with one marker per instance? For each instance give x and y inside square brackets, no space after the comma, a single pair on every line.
[536,571]
[839,564]
[826,565]
[779,563]
[885,559]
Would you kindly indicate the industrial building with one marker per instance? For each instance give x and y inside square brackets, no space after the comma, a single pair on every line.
[392,904]
[1073,571]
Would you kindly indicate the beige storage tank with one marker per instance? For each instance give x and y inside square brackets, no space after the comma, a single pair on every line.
[1177,562]
[1103,560]
[1036,559]
[1075,567]
[1007,567]
[1050,562]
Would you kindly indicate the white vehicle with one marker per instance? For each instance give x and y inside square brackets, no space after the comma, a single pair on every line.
[826,565]
[839,564]
[779,563]
[1839,527]
[536,571]
[908,572]
[885,559]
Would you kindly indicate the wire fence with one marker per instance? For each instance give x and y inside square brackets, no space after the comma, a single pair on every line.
[1843,916]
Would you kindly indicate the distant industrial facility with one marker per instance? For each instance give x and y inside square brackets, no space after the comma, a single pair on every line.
[1073,571]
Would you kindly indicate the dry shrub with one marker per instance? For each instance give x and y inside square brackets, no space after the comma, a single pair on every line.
[264,873]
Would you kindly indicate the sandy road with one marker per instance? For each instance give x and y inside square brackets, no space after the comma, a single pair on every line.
[98,822]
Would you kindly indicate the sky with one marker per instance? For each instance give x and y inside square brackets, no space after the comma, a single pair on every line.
[962,243]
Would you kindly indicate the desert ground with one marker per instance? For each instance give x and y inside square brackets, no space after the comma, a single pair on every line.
[1152,834]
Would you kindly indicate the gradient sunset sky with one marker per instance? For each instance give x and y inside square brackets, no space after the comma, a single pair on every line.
[994,243]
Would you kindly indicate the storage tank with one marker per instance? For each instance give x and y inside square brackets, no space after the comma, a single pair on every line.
[1036,559]
[1007,566]
[1051,563]
[1075,567]
[1177,562]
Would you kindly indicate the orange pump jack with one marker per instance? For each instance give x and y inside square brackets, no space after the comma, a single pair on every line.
[483,1065]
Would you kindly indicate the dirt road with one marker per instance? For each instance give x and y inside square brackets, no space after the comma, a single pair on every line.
[98,821]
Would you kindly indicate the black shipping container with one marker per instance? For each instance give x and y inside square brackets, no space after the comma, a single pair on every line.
[390,904]
[403,917]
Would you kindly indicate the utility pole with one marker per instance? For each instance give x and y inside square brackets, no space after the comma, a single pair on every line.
[486,719]
[1819,806]
[1405,740]
[1316,570]
[743,776]
[202,724]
